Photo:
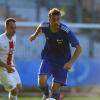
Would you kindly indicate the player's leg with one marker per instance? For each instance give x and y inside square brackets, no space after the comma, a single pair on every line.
[56,91]
[7,82]
[43,85]
[60,76]
[16,79]
[44,72]
[13,94]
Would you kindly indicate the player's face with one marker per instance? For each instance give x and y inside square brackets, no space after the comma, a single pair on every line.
[54,19]
[11,28]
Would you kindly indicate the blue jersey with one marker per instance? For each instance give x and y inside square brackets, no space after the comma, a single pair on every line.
[57,46]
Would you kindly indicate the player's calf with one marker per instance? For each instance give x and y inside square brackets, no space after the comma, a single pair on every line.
[13,93]
[56,91]
[44,86]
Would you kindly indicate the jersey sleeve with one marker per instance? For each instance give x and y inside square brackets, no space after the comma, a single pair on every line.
[72,38]
[44,26]
[71,35]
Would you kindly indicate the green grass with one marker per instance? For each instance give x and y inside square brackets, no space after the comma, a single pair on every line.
[67,98]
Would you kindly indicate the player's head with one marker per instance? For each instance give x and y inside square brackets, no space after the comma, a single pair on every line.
[54,16]
[10,25]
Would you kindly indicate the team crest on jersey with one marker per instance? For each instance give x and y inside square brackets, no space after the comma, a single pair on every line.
[59,41]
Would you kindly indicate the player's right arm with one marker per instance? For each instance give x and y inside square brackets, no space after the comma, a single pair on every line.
[37,32]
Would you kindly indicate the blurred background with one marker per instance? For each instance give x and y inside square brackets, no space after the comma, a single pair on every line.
[82,16]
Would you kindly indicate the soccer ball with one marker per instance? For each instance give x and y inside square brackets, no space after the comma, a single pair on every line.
[50,99]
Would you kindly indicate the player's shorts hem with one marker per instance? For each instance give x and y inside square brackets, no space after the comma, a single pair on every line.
[62,83]
[43,74]
[10,89]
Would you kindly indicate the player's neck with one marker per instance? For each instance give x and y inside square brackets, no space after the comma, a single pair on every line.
[54,28]
[8,35]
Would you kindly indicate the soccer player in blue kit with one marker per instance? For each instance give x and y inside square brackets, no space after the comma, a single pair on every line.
[56,55]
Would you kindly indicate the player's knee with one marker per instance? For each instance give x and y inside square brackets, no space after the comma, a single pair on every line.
[19,86]
[56,87]
[42,83]
[14,92]
[9,87]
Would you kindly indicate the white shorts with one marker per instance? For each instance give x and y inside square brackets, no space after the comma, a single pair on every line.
[9,80]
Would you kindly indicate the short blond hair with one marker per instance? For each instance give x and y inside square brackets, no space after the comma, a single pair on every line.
[54,11]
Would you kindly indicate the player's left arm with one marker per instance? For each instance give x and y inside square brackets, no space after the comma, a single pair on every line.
[74,43]
[37,32]
[76,54]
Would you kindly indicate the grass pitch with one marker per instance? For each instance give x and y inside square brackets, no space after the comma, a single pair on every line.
[66,98]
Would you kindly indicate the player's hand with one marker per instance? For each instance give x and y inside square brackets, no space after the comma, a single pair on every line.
[10,69]
[68,65]
[32,37]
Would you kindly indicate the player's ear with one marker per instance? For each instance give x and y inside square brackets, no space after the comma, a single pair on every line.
[49,17]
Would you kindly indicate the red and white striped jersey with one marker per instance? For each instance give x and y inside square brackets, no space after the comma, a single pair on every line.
[7,48]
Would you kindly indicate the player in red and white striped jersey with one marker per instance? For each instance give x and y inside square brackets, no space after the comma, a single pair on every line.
[9,76]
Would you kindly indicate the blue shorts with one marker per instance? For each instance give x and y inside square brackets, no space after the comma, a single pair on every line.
[58,72]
